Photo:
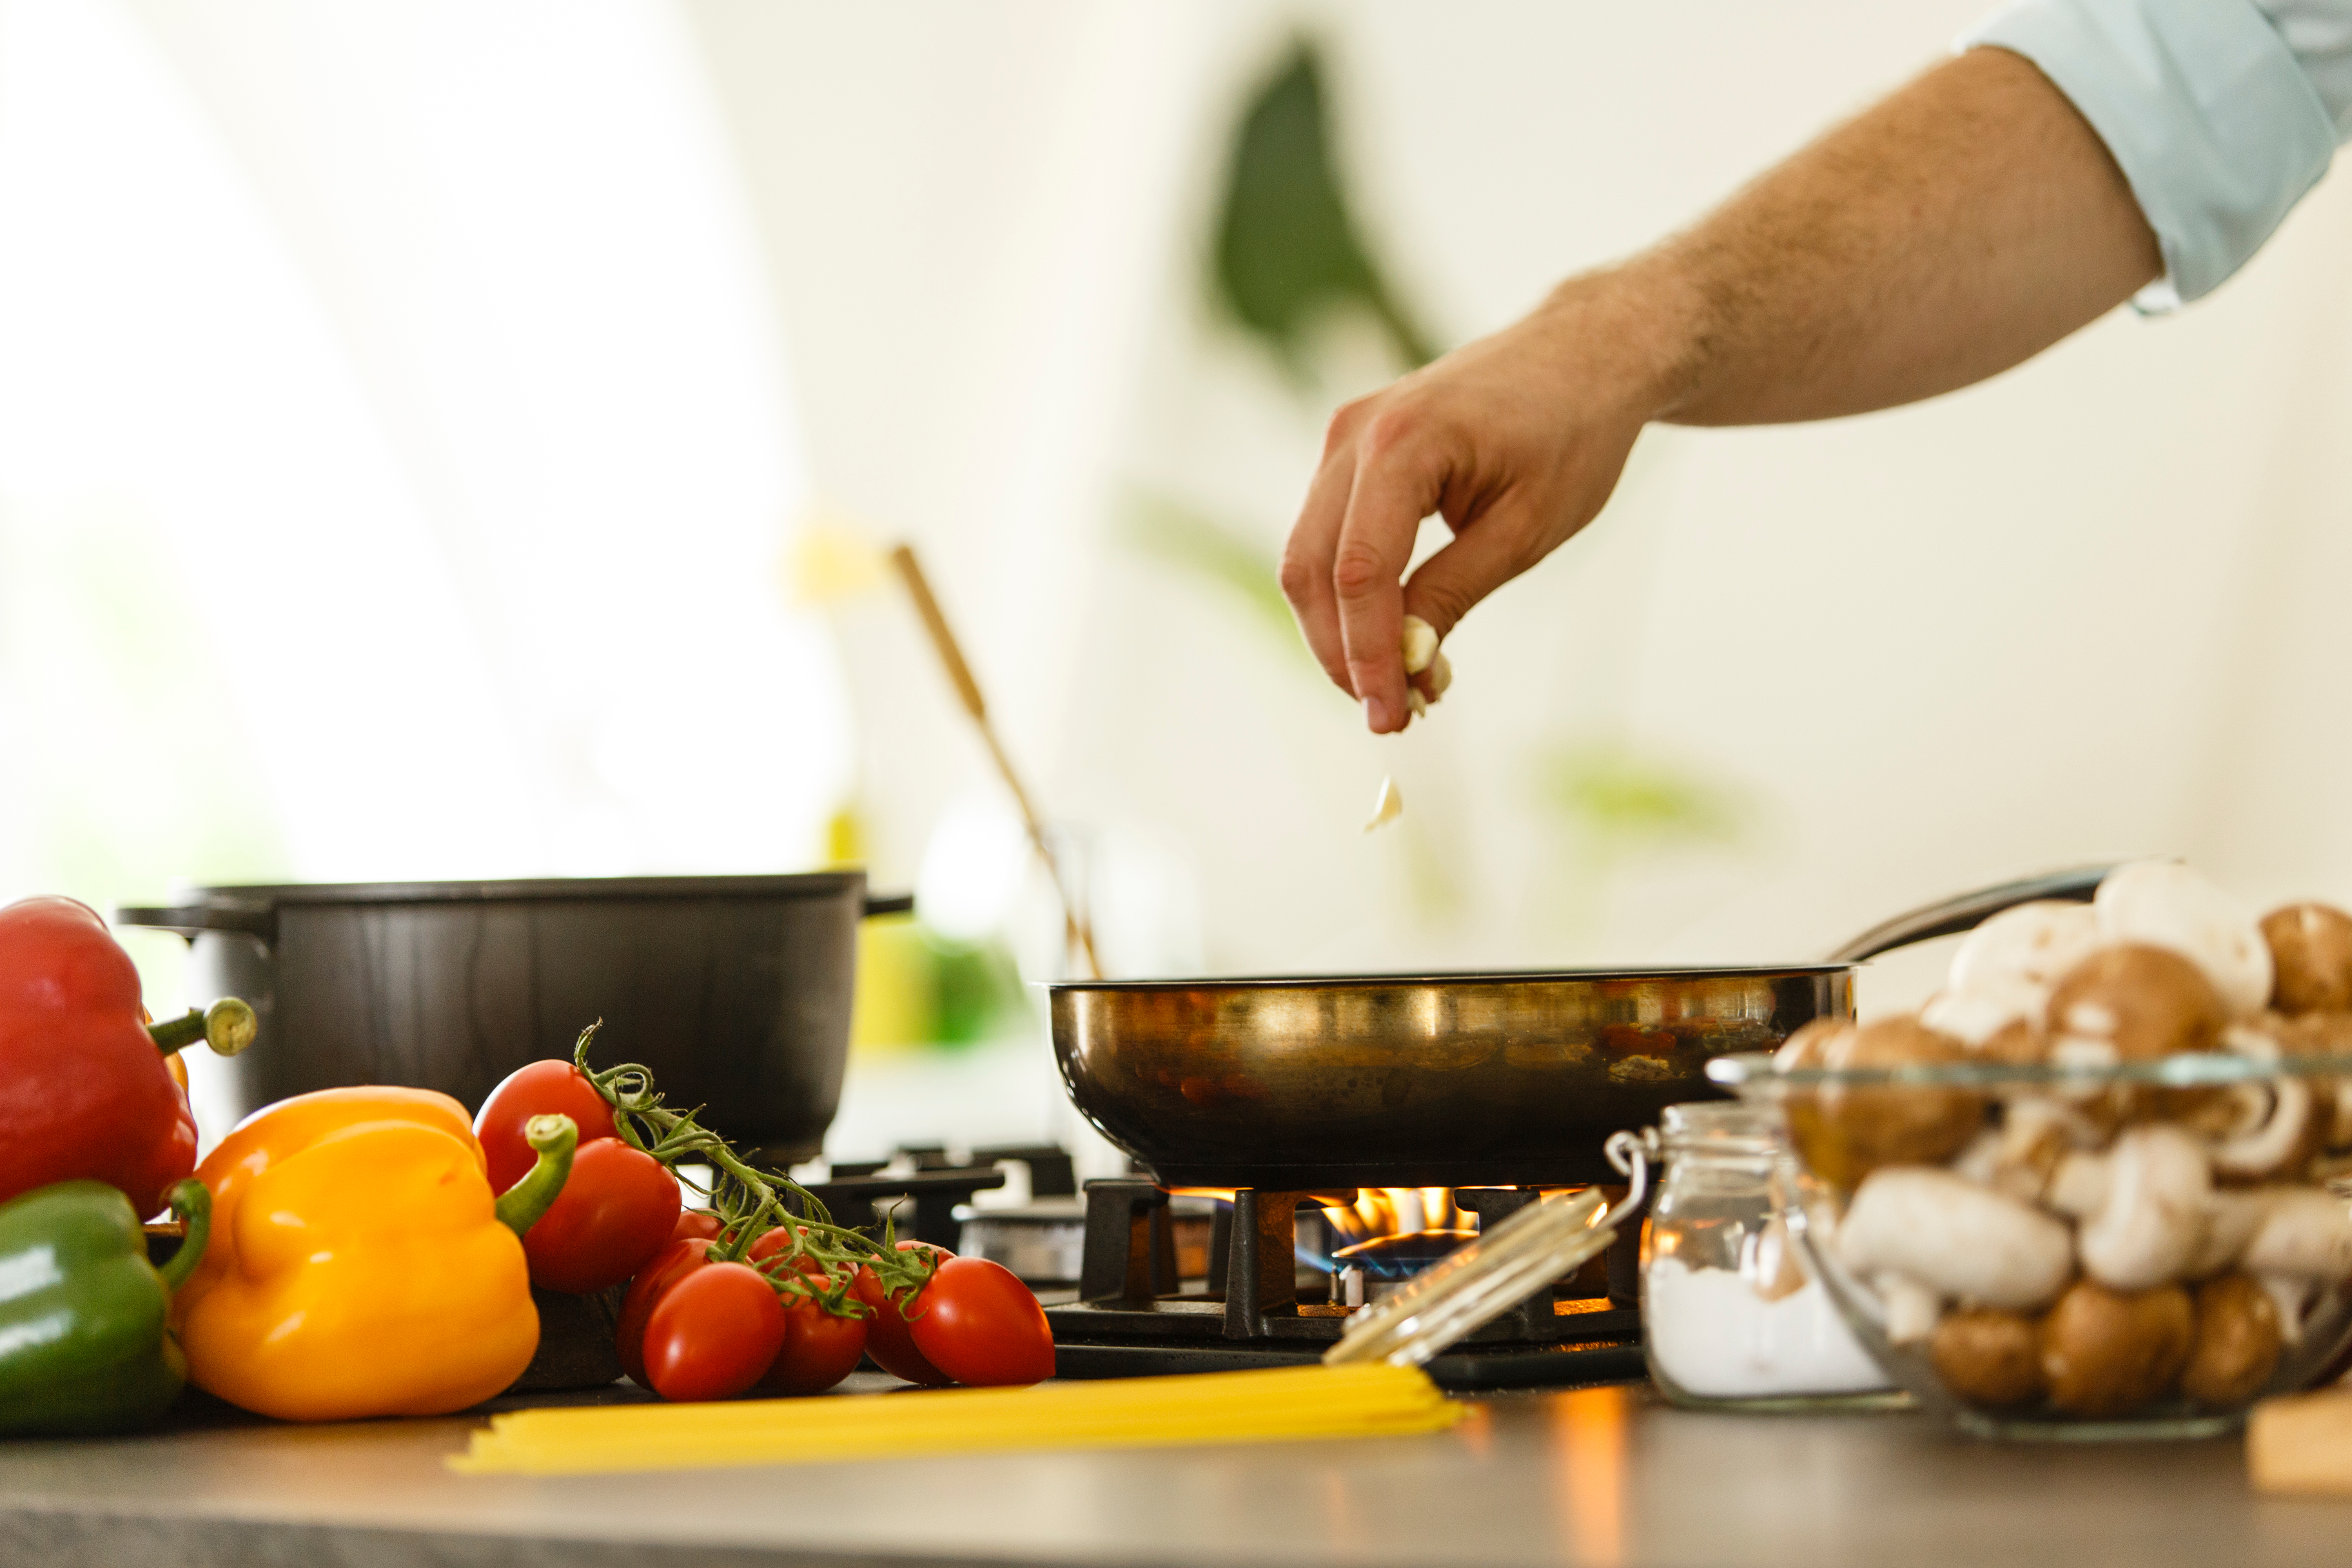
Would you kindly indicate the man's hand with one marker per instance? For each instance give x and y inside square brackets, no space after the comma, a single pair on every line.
[1966,223]
[1515,441]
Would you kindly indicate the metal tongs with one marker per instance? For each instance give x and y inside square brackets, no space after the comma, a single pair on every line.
[1481,1280]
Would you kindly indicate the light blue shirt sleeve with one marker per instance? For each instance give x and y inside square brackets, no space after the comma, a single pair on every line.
[2221,113]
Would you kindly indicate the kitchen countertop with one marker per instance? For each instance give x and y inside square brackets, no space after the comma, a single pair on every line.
[1603,1476]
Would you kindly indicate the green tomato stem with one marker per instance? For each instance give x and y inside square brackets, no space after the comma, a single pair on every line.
[555,1138]
[749,1201]
[192,1201]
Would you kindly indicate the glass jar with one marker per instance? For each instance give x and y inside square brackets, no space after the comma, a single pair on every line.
[1728,1317]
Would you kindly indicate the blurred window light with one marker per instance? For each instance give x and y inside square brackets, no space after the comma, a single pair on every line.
[974,865]
[418,357]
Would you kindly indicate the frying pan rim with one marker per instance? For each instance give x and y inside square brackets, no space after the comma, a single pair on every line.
[1456,977]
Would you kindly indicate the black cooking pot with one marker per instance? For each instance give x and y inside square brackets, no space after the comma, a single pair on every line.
[734,990]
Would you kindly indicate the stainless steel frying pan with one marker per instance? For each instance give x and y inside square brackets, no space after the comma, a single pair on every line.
[1310,1083]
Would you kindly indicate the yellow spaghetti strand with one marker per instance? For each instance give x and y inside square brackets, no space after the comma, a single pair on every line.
[1287,1404]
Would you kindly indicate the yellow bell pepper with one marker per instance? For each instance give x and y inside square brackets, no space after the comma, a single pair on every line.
[359,1263]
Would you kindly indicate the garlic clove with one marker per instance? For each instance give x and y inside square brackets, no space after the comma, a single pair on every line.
[1420,644]
[1441,675]
[1388,808]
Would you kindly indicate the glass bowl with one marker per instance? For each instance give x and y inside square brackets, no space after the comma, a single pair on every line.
[2077,1252]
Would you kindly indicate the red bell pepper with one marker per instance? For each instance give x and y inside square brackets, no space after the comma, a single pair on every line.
[88,1084]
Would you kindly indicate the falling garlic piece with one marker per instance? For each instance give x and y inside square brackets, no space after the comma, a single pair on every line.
[1388,808]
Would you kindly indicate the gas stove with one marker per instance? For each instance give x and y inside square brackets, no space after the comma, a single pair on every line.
[1136,1317]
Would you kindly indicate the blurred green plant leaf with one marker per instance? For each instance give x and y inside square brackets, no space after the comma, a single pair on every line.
[1287,249]
[980,995]
[1162,526]
[1621,802]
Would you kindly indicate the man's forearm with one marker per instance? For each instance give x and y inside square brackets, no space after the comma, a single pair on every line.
[1953,230]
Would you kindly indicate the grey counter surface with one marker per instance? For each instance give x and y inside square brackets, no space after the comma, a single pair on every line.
[1603,1477]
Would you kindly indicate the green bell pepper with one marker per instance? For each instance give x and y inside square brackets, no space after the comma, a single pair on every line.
[85,1342]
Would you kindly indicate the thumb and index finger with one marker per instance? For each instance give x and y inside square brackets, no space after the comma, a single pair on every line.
[1344,572]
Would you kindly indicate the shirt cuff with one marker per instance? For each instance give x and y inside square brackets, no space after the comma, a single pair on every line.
[2203,107]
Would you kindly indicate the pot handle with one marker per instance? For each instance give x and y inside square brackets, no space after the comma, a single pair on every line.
[890,904]
[1965,912]
[256,920]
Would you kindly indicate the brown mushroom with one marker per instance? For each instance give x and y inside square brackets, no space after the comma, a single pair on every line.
[1845,1133]
[1989,1358]
[1809,1047]
[2133,1003]
[2311,958]
[2235,1346]
[2108,1352]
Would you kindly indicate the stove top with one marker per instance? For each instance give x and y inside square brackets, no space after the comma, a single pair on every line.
[1133,1318]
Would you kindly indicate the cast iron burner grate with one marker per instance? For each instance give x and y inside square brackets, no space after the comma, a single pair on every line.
[1132,1319]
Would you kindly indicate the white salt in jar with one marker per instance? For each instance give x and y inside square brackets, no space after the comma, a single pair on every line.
[1728,1317]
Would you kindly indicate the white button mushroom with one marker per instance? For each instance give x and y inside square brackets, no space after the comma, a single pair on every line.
[1961,1241]
[2025,949]
[2018,1156]
[2304,1234]
[2322,1034]
[2232,1215]
[1908,1310]
[2260,1131]
[1979,1017]
[2163,903]
[2142,1206]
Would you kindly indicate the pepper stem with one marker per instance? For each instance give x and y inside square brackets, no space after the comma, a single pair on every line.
[555,1137]
[227,1026]
[192,1201]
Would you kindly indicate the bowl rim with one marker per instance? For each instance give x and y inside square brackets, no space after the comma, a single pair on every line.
[1753,1074]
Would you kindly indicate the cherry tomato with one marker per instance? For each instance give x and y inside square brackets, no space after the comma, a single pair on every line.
[979,1324]
[670,1265]
[617,1210]
[536,1088]
[888,1339]
[714,1332]
[821,1348]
